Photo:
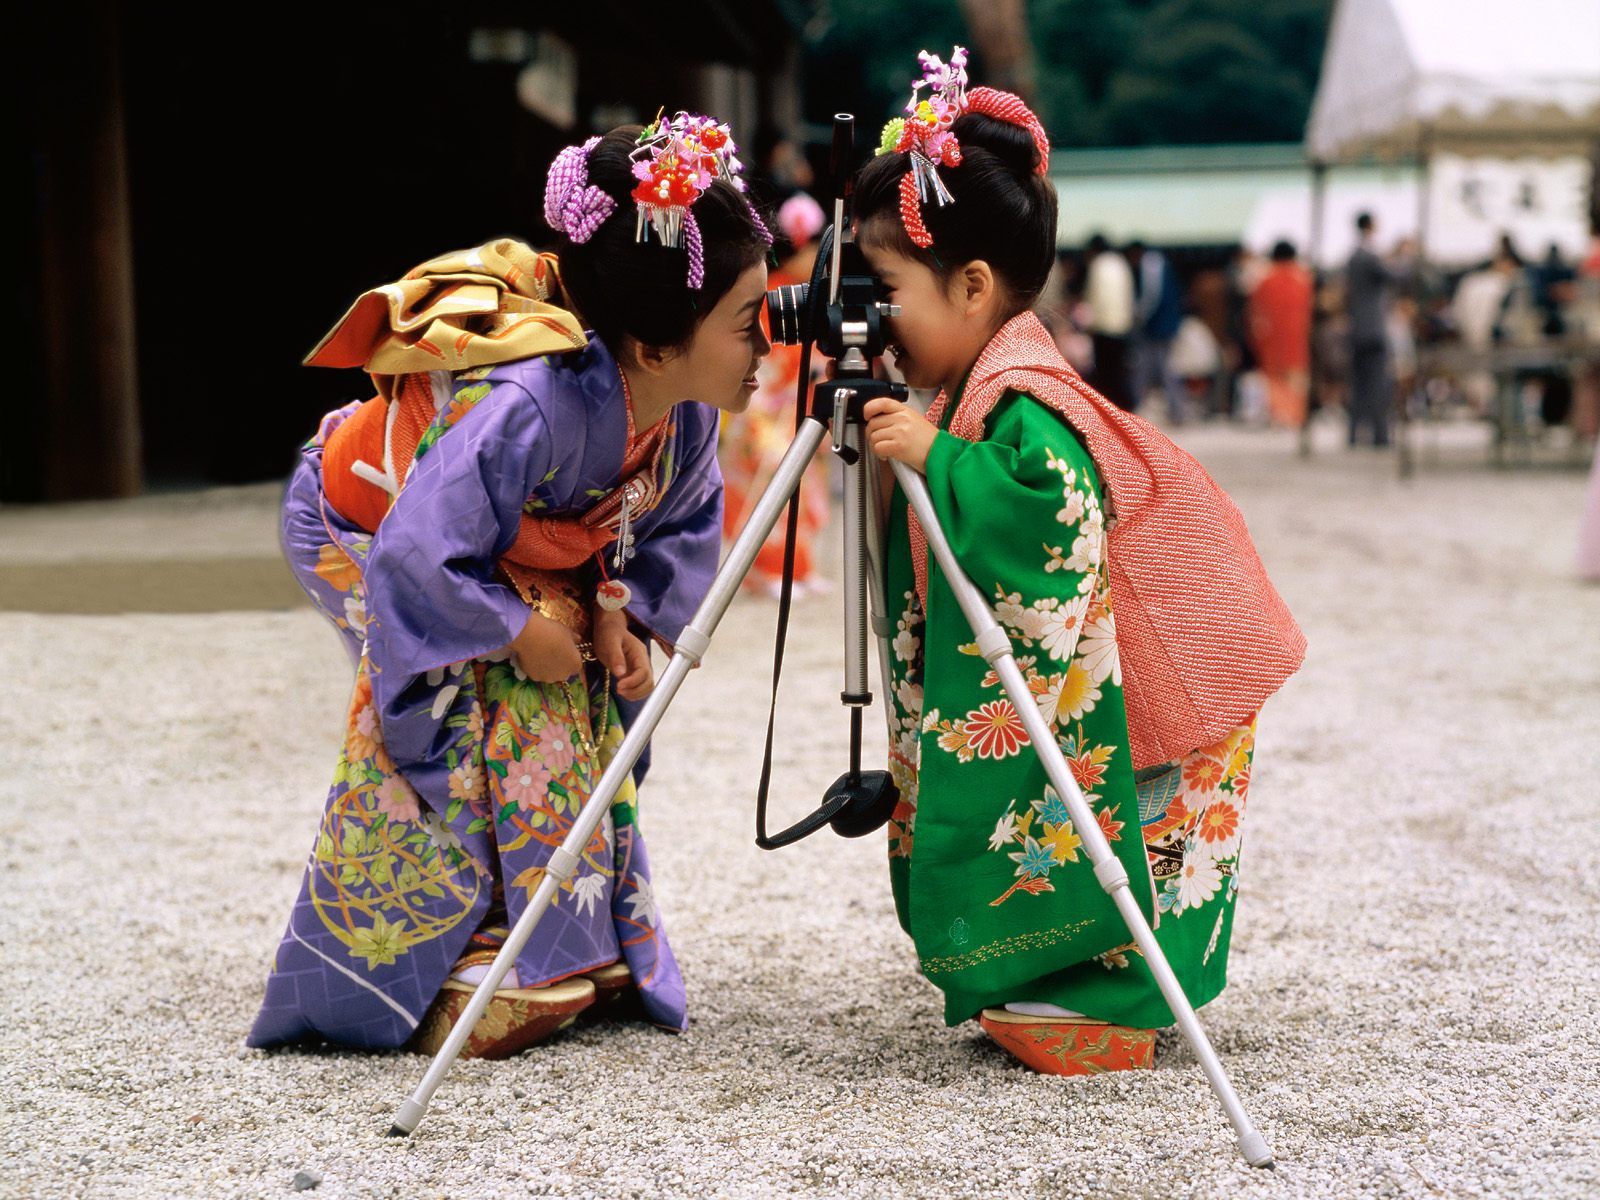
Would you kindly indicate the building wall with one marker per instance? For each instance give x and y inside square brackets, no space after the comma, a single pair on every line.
[278,167]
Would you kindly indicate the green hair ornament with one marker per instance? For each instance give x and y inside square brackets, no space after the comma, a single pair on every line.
[891,135]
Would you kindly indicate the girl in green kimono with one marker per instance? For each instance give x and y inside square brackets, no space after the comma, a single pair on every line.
[989,876]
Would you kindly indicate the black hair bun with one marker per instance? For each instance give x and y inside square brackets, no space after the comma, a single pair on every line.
[1011,144]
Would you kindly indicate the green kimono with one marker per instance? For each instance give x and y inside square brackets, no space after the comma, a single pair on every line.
[990,878]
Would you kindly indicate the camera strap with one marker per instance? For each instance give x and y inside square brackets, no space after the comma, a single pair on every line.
[786,590]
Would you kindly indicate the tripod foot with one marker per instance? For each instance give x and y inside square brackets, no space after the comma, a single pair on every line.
[407,1119]
[1256,1151]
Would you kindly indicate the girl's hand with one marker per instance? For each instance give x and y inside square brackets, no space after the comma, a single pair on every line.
[546,650]
[897,431]
[625,656]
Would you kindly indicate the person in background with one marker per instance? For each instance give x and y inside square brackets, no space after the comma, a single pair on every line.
[1280,334]
[1400,323]
[1064,313]
[1331,338]
[1400,330]
[1553,286]
[1108,291]
[1553,290]
[1480,298]
[754,441]
[1368,282]
[1209,302]
[1242,392]
[1158,313]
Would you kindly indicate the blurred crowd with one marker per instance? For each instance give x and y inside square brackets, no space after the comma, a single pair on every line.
[1197,334]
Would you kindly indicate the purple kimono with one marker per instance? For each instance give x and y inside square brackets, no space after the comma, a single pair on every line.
[459,775]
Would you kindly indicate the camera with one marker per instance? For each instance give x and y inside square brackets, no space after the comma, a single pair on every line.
[842,309]
[851,317]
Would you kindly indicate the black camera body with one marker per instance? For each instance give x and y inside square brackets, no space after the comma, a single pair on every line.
[851,319]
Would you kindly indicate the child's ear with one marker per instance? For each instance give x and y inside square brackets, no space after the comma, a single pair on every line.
[978,287]
[653,359]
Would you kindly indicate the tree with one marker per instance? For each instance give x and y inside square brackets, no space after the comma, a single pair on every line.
[1108,72]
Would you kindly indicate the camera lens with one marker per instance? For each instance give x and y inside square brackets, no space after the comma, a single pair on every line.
[786,313]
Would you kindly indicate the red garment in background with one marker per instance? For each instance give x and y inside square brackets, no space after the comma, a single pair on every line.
[1280,333]
[1280,318]
[753,443]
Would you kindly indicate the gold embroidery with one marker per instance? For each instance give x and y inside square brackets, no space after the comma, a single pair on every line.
[1034,939]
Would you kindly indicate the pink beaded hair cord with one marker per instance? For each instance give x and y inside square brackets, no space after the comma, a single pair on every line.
[927,135]
[676,162]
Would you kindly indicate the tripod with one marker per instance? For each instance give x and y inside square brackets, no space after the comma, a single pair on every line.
[849,326]
[863,580]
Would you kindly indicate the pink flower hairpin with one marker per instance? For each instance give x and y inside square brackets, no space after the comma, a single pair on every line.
[676,162]
[925,134]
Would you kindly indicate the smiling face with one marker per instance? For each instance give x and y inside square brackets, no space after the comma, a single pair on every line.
[718,365]
[944,322]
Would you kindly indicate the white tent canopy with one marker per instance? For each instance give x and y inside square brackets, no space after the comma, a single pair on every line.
[1401,78]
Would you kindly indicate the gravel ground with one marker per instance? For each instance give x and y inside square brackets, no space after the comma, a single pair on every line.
[1415,982]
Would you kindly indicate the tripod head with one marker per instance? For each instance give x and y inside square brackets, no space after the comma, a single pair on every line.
[840,313]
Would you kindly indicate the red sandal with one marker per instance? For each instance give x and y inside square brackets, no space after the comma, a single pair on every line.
[1069,1045]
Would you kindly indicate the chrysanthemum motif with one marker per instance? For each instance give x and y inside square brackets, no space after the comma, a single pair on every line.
[1198,880]
[397,800]
[994,730]
[466,781]
[1202,774]
[1062,625]
[525,782]
[1079,694]
[1097,650]
[1219,823]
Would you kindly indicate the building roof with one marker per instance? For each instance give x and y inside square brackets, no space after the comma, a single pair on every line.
[1403,77]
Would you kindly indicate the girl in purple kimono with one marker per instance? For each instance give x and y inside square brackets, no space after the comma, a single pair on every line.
[551,514]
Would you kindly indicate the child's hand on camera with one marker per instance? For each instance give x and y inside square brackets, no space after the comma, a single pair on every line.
[546,650]
[897,431]
[625,656]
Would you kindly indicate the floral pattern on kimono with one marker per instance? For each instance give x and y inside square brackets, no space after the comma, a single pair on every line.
[987,867]
[459,776]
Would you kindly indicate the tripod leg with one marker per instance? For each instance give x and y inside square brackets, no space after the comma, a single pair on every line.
[876,574]
[995,647]
[691,647]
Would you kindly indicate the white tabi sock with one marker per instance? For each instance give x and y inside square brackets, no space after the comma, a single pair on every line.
[1035,1008]
[477,971]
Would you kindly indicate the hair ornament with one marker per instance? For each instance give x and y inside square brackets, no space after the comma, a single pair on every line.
[573,205]
[1004,106]
[925,134]
[675,161]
